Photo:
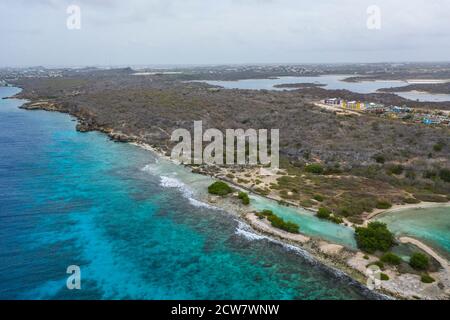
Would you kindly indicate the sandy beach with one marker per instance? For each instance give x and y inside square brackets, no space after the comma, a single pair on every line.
[397,208]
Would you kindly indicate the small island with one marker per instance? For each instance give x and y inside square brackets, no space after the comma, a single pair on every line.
[434,88]
[299,85]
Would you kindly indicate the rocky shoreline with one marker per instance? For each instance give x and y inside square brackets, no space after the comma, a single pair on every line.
[342,259]
[350,262]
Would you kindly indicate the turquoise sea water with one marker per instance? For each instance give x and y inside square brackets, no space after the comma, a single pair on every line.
[131,222]
[431,225]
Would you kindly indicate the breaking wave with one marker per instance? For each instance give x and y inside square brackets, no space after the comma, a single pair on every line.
[169,182]
[150,168]
[247,232]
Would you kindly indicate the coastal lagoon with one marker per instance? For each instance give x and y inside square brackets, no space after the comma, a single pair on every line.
[309,224]
[135,225]
[424,96]
[331,82]
[429,225]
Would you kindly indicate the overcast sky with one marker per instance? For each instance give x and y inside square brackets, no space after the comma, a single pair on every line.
[146,32]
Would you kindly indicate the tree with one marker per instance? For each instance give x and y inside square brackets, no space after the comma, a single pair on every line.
[396,169]
[315,168]
[278,222]
[244,197]
[375,236]
[323,213]
[384,277]
[391,258]
[419,261]
[220,188]
[382,204]
[427,278]
[318,197]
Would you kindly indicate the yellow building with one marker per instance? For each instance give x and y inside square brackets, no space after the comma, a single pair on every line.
[354,105]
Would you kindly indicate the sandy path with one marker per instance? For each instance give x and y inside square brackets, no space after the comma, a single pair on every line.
[428,250]
[396,208]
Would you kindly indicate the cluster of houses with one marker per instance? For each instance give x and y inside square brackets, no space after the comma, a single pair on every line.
[428,117]
[344,104]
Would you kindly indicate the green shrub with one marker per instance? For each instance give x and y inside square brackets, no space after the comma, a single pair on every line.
[396,169]
[323,213]
[379,158]
[244,197]
[375,236]
[419,261]
[430,174]
[278,222]
[318,197]
[378,263]
[366,257]
[267,213]
[315,168]
[344,212]
[335,219]
[411,200]
[391,258]
[306,203]
[427,279]
[262,191]
[220,188]
[384,277]
[438,147]
[289,227]
[444,174]
[383,204]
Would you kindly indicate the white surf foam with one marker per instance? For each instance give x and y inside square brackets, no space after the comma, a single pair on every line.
[197,203]
[247,232]
[170,182]
[150,168]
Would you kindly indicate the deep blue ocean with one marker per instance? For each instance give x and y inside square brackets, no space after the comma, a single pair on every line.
[70,198]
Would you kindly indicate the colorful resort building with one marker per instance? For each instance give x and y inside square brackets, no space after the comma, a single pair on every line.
[352,105]
[392,111]
[333,101]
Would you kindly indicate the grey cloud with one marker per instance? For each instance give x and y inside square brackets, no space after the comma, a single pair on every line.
[226,31]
